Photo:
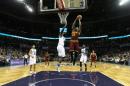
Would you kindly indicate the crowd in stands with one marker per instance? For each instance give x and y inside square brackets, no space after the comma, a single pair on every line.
[7,53]
[10,53]
[106,52]
[121,57]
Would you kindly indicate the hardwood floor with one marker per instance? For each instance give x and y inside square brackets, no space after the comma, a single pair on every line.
[120,73]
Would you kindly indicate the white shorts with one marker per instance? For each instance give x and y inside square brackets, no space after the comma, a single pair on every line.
[61,51]
[83,59]
[32,60]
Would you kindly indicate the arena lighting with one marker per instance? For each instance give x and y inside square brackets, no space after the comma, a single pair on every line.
[119,37]
[21,1]
[29,8]
[19,37]
[51,38]
[95,37]
[122,2]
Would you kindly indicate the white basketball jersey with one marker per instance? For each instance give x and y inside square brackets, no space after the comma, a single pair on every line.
[83,51]
[61,40]
[33,52]
[26,56]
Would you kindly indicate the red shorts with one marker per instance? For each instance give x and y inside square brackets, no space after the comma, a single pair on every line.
[93,59]
[46,58]
[74,45]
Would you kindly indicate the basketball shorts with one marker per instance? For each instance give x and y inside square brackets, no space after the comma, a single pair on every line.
[61,51]
[83,59]
[74,46]
[93,59]
[32,60]
[46,58]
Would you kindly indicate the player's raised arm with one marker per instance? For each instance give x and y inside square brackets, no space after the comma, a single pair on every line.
[79,17]
[80,26]
[73,25]
[29,53]
[96,56]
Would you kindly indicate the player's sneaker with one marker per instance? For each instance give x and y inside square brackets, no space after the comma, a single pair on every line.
[31,72]
[34,72]
[58,69]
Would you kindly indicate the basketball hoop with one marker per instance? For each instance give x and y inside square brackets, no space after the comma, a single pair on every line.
[62,14]
[63,17]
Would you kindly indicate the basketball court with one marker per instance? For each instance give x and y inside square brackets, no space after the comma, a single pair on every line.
[104,74]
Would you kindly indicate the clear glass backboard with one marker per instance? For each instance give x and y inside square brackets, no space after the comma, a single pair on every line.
[70,5]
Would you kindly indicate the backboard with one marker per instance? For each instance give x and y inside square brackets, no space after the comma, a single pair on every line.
[70,5]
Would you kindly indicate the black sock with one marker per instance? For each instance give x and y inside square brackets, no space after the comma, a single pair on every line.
[75,57]
[71,54]
[80,64]
[91,64]
[85,67]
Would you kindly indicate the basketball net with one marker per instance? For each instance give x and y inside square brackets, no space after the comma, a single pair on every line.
[63,17]
[62,14]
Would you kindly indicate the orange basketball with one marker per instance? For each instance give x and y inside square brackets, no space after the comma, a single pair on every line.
[79,17]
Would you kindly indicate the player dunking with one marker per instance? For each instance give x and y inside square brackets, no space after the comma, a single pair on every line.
[83,58]
[93,58]
[74,43]
[32,59]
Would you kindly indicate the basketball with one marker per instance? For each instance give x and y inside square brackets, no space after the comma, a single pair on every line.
[79,17]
